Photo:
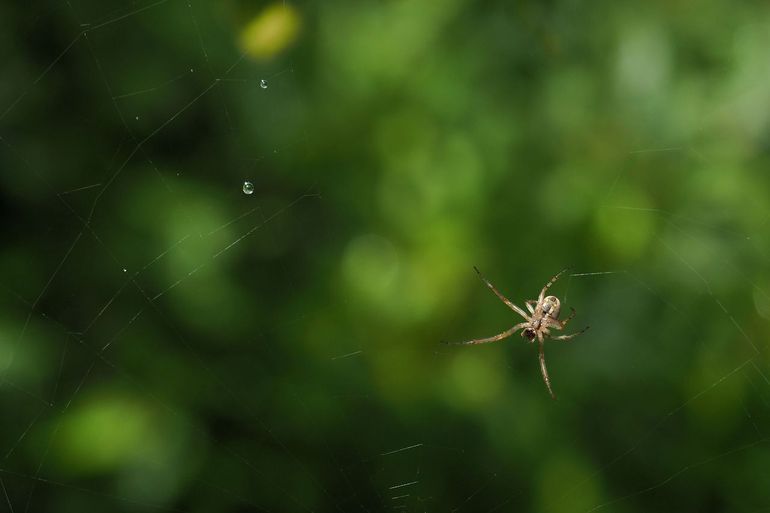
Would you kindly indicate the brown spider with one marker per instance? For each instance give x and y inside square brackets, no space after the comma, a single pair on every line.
[543,316]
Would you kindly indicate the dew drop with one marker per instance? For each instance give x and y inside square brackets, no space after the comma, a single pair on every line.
[263,84]
[125,270]
[248,187]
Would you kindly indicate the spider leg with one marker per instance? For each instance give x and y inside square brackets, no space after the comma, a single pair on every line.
[571,315]
[529,305]
[567,337]
[548,286]
[505,334]
[559,325]
[543,368]
[502,297]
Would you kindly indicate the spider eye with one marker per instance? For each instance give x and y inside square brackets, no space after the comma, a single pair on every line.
[529,333]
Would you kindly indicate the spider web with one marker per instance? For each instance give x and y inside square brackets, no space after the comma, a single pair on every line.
[742,366]
[187,346]
[736,380]
[687,251]
[90,349]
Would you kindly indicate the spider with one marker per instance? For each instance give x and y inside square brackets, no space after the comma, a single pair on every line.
[543,315]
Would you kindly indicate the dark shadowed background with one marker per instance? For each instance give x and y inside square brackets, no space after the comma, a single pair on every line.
[234,233]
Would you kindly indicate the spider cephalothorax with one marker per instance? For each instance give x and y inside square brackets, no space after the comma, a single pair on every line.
[543,315]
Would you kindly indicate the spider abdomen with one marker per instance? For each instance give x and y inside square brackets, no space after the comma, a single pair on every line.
[551,307]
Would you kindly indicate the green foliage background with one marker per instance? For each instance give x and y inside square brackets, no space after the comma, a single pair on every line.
[170,343]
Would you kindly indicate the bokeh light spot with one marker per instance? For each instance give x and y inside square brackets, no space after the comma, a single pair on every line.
[761,302]
[644,55]
[102,434]
[271,31]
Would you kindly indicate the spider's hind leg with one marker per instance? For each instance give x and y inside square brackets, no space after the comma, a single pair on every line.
[563,323]
[567,337]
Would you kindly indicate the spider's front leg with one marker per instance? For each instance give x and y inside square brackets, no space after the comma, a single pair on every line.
[507,333]
[502,298]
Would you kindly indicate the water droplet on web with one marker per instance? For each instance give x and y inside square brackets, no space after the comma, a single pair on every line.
[248,187]
[124,270]
[263,84]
